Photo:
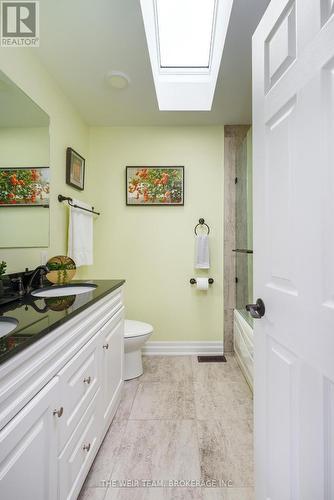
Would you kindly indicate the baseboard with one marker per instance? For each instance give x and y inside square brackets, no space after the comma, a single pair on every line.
[183,348]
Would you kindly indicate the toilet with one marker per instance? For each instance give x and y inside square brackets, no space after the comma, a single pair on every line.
[136,333]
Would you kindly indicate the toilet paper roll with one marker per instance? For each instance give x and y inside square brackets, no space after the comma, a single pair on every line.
[202,283]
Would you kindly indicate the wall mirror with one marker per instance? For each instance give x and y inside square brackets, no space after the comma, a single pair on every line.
[24,169]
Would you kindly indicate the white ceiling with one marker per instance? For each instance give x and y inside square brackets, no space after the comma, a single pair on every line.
[82,40]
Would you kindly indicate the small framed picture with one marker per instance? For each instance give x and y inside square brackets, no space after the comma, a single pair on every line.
[75,169]
[155,186]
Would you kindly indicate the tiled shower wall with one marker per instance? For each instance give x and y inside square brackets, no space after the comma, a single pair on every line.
[233,137]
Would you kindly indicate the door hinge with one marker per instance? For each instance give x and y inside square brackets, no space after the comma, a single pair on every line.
[236,180]
[236,279]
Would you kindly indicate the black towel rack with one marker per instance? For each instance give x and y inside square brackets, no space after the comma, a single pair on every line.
[201,223]
[70,202]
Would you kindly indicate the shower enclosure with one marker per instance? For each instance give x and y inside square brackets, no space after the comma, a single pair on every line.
[244,228]
[243,322]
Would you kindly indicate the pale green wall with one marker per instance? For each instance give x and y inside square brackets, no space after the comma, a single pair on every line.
[24,226]
[153,247]
[24,147]
[66,129]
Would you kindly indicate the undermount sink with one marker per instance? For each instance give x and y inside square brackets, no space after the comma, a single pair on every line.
[63,291]
[7,325]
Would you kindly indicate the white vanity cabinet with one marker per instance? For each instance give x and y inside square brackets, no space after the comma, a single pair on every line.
[112,337]
[48,443]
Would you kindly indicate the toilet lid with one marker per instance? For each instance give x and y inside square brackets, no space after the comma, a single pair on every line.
[134,328]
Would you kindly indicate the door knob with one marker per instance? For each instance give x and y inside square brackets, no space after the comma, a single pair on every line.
[87,380]
[86,447]
[256,310]
[106,346]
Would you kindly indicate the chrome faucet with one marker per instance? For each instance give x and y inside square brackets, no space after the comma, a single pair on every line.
[39,270]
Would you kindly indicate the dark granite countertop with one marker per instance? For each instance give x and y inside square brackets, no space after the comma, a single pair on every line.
[38,317]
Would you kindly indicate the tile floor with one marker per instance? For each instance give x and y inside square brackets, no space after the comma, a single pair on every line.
[181,420]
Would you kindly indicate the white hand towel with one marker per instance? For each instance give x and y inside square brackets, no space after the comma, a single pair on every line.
[80,235]
[202,252]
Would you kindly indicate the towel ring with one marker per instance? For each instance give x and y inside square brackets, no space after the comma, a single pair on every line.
[201,223]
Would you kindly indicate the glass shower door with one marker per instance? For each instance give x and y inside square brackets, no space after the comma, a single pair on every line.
[244,228]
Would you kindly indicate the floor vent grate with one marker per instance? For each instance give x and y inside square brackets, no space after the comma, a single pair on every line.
[212,359]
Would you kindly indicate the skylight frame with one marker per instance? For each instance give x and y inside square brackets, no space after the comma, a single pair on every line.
[186,89]
[185,69]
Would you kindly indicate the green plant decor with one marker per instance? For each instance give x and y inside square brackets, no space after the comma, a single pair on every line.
[3,267]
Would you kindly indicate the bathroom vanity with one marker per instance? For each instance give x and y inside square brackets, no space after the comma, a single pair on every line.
[61,375]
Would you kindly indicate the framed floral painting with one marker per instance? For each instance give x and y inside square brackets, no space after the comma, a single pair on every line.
[23,186]
[149,186]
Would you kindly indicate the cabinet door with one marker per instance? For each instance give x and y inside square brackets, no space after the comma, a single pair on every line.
[112,335]
[28,449]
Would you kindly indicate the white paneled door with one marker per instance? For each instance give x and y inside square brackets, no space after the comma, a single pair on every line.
[293,127]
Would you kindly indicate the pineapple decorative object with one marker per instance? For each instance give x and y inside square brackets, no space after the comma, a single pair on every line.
[62,269]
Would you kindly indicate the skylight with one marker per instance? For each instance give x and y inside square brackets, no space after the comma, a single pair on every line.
[185,40]
[185,31]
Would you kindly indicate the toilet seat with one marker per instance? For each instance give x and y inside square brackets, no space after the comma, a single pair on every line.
[134,328]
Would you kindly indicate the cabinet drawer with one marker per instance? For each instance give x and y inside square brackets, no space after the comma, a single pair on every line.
[79,453]
[79,381]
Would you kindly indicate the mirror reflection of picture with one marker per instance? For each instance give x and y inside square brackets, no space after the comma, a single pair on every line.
[75,169]
[20,186]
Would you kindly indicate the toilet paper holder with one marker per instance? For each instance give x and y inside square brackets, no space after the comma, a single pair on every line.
[193,281]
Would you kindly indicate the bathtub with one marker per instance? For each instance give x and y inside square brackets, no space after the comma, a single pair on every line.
[244,346]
